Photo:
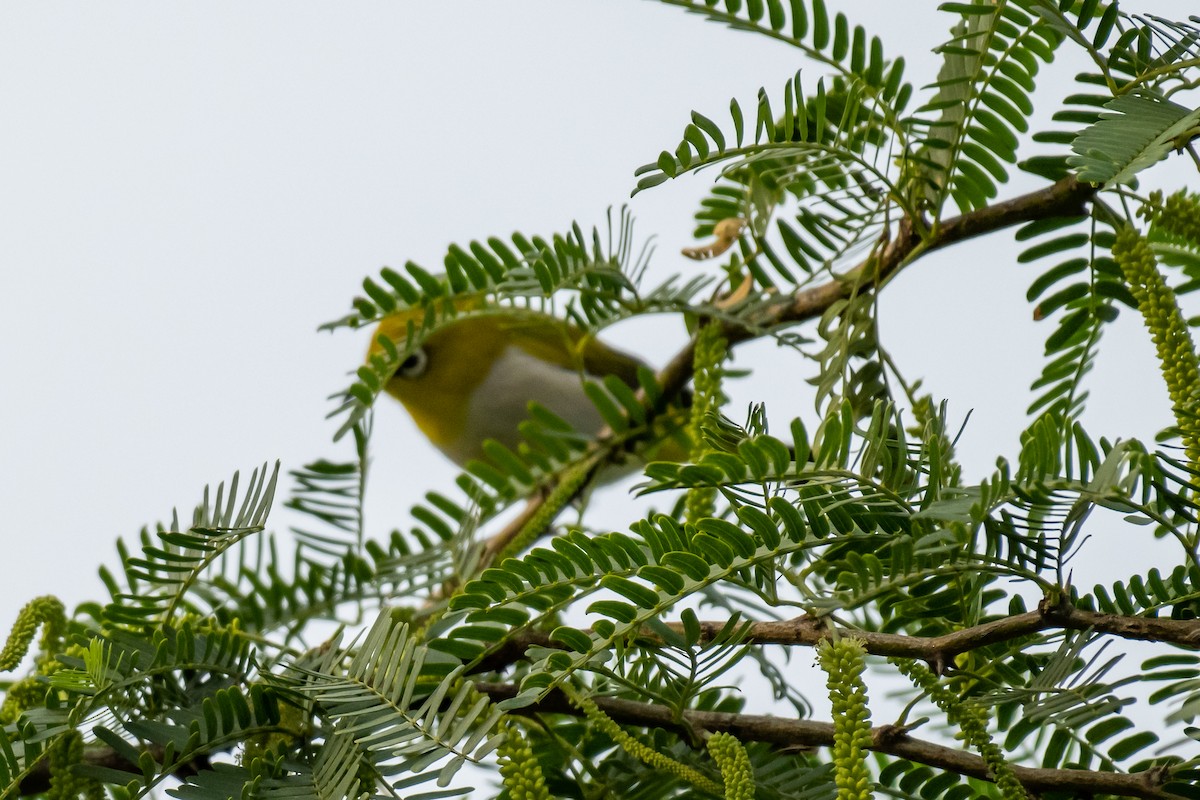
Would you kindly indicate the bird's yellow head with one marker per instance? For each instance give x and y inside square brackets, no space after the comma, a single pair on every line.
[474,378]
[438,379]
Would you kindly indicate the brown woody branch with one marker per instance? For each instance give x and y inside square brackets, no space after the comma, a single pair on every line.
[890,739]
[938,651]
[1067,197]
[38,779]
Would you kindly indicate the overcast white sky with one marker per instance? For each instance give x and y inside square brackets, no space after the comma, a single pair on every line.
[188,189]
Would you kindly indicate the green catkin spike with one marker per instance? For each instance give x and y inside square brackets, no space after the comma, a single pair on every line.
[639,750]
[568,487]
[65,753]
[520,770]
[46,611]
[844,661]
[23,695]
[972,720]
[734,763]
[268,745]
[708,359]
[1168,329]
[1177,215]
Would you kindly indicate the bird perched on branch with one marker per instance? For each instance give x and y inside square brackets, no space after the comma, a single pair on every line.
[474,379]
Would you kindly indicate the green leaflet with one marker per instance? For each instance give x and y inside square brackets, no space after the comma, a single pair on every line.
[1138,132]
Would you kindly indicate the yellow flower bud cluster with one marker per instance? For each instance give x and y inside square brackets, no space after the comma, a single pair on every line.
[734,763]
[1178,215]
[708,360]
[843,662]
[519,768]
[972,720]
[1172,340]
[640,750]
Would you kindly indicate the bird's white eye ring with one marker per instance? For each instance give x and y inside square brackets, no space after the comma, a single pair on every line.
[413,366]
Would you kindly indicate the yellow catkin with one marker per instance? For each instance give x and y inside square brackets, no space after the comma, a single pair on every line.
[1168,329]
[519,768]
[734,763]
[843,661]
[640,750]
[972,720]
[708,368]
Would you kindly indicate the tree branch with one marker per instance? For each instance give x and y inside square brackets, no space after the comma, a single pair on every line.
[1067,197]
[889,739]
[38,779]
[938,651]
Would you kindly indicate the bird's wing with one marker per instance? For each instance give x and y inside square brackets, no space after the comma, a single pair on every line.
[563,344]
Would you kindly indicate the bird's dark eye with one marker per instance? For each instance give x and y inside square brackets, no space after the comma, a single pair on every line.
[414,365]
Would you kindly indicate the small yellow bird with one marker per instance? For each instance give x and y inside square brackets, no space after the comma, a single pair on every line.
[474,379]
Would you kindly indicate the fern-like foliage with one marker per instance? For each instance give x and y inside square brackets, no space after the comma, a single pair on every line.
[983,95]
[1130,50]
[826,150]
[336,662]
[1139,131]
[600,274]
[172,560]
[332,493]
[662,563]
[1083,290]
[400,705]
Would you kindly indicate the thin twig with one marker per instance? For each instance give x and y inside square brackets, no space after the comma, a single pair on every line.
[939,651]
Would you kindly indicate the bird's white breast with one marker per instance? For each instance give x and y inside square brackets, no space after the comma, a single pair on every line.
[500,404]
